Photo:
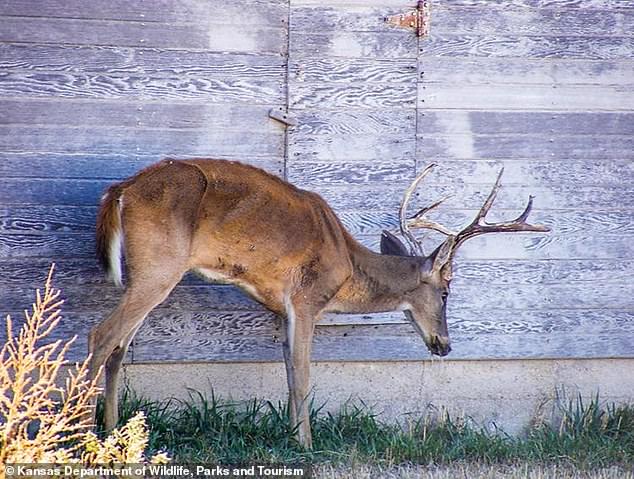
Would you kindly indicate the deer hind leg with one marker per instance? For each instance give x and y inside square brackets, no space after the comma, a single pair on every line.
[110,339]
[297,348]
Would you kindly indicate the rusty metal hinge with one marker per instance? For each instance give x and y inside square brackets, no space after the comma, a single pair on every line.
[418,19]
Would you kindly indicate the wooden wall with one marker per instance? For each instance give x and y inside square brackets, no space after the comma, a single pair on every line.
[92,91]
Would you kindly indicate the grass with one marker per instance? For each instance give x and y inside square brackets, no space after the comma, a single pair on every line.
[587,437]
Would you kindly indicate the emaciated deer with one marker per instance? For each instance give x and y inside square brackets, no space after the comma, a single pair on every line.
[283,246]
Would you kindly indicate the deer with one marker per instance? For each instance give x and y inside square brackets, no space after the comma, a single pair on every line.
[285,247]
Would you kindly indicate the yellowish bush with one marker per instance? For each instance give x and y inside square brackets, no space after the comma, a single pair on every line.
[46,413]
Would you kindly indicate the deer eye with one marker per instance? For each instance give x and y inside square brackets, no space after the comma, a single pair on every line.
[444,295]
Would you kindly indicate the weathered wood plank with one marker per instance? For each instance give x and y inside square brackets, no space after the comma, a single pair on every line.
[314,70]
[539,172]
[248,38]
[549,124]
[581,322]
[349,173]
[507,46]
[176,88]
[263,12]
[52,247]
[201,36]
[140,115]
[121,61]
[518,246]
[573,225]
[525,97]
[363,95]
[538,296]
[269,13]
[222,324]
[574,235]
[333,123]
[465,320]
[530,246]
[216,349]
[20,274]
[452,19]
[104,297]
[564,223]
[352,44]
[502,71]
[157,142]
[47,219]
[584,273]
[91,32]
[466,195]
[387,348]
[71,325]
[538,345]
[58,191]
[556,4]
[505,4]
[343,17]
[308,148]
[579,274]
[99,165]
[469,196]
[361,3]
[213,324]
[556,147]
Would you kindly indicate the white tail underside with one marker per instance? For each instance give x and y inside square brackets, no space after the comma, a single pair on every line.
[115,252]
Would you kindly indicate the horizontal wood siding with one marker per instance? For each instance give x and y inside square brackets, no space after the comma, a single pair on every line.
[93,91]
[544,89]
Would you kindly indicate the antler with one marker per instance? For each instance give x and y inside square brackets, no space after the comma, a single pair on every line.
[479,226]
[418,220]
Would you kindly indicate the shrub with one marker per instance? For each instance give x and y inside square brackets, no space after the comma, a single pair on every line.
[46,409]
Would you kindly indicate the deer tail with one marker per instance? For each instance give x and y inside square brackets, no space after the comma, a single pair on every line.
[110,234]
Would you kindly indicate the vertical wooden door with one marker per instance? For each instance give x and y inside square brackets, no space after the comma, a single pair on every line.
[352,89]
[545,90]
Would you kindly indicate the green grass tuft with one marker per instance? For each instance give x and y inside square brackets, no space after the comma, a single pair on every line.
[207,429]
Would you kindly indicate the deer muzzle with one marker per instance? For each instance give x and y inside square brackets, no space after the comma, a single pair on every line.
[439,345]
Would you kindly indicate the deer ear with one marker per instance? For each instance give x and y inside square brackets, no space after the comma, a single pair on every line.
[442,255]
[440,259]
[391,245]
[447,272]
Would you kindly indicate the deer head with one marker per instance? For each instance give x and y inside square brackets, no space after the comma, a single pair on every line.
[425,306]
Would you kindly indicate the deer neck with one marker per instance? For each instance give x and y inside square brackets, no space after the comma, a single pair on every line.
[378,282]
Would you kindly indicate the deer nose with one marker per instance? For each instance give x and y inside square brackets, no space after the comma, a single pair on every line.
[439,346]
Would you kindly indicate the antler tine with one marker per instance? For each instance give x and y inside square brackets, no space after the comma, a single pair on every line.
[417,221]
[527,210]
[415,246]
[478,226]
[490,199]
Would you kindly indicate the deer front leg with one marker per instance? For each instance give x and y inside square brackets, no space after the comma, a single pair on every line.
[297,347]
